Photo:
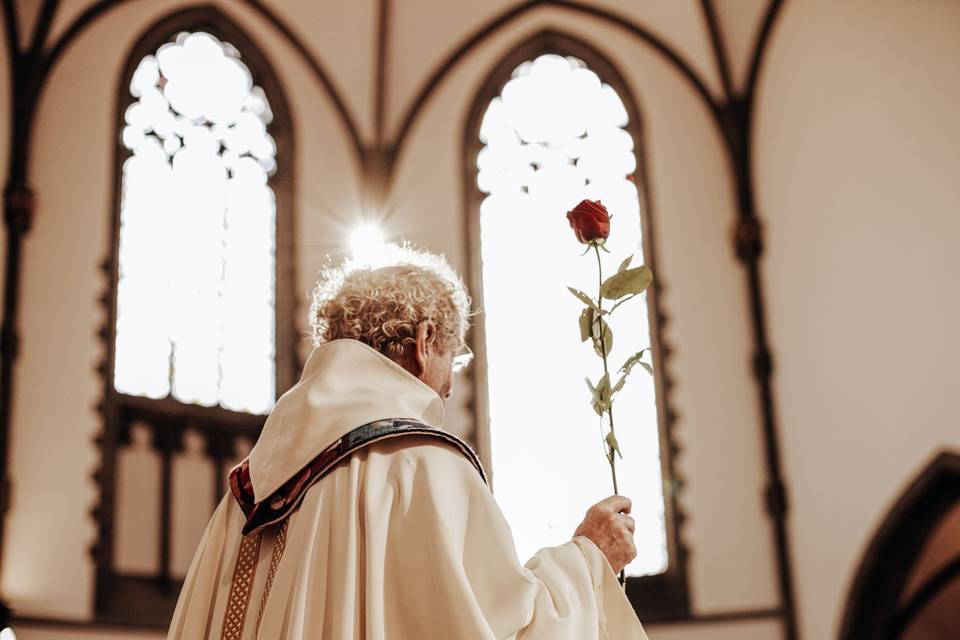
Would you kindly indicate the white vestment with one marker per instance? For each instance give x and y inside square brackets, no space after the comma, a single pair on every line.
[401,541]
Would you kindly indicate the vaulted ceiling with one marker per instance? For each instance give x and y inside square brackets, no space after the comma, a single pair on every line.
[382,56]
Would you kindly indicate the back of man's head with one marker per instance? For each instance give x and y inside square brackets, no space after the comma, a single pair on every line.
[383,307]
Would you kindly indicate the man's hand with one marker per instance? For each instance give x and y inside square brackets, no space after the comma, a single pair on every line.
[610,528]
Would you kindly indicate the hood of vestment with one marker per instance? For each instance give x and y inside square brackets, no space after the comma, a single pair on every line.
[345,384]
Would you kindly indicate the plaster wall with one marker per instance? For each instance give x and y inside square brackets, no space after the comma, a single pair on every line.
[857,155]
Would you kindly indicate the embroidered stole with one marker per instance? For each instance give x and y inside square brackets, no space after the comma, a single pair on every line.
[274,512]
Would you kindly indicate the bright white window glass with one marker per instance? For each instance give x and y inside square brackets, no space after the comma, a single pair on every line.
[196,291]
[553,137]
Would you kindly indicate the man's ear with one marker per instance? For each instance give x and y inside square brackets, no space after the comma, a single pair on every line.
[426,332]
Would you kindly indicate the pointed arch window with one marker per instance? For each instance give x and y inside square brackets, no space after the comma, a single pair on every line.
[196,312]
[554,125]
[199,337]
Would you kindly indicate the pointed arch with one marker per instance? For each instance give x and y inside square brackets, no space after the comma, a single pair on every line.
[874,607]
[122,595]
[210,19]
[100,8]
[662,596]
[673,57]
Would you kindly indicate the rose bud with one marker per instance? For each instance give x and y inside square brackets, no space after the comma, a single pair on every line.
[590,221]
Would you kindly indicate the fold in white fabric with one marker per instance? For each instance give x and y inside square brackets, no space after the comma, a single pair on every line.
[344,384]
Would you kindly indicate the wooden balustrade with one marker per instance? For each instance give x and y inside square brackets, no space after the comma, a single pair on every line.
[136,582]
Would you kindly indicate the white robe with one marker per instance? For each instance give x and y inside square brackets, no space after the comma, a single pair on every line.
[402,541]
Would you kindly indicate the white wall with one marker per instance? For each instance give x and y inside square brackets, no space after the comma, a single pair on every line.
[858,158]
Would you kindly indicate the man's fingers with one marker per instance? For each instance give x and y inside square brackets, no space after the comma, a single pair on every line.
[617,504]
[605,525]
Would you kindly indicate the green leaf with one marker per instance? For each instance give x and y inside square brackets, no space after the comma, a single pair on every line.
[586,319]
[625,283]
[601,394]
[620,383]
[626,263]
[603,387]
[595,398]
[611,441]
[601,328]
[582,297]
[603,391]
[633,361]
[607,344]
[605,250]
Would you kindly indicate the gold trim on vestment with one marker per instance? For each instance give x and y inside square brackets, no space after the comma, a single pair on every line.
[243,573]
[278,546]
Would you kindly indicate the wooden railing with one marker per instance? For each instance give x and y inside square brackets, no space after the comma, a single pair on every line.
[154,434]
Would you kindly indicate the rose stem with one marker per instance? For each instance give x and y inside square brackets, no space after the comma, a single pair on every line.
[606,372]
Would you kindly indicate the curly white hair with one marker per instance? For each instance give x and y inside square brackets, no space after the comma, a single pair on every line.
[382,307]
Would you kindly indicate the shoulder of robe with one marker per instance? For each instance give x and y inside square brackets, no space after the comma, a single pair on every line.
[430,476]
[429,457]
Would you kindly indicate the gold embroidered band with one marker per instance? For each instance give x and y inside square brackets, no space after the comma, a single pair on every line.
[243,574]
[278,546]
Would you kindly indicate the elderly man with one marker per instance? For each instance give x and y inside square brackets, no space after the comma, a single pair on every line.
[357,516]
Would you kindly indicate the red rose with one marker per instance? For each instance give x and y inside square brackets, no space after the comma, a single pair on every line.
[590,221]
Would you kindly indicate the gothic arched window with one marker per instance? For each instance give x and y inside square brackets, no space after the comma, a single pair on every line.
[199,336]
[195,292]
[555,125]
